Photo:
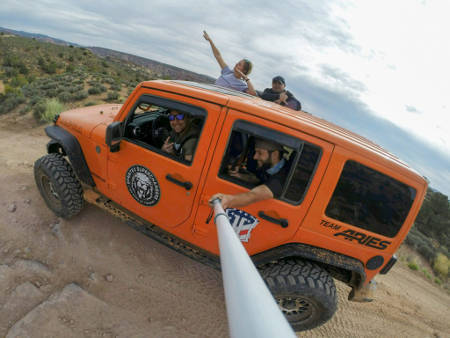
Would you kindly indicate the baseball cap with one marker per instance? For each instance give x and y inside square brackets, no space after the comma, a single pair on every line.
[267,144]
[279,79]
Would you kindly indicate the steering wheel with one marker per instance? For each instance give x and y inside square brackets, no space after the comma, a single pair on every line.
[160,130]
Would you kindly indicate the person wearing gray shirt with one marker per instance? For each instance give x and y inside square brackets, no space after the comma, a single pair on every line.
[237,78]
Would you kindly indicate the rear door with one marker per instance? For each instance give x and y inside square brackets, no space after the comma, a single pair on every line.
[273,222]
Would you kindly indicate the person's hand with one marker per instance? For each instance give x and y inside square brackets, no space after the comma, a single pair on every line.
[167,146]
[225,200]
[283,97]
[206,36]
[233,171]
[243,76]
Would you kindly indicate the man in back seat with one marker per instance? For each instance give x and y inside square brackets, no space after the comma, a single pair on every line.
[271,174]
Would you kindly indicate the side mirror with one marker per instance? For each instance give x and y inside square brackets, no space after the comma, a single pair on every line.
[113,136]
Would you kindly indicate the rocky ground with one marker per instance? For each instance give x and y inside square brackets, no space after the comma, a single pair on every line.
[93,276]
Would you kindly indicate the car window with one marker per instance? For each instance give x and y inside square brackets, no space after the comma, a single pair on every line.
[150,125]
[371,200]
[300,160]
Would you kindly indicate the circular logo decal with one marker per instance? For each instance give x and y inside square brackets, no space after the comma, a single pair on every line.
[142,185]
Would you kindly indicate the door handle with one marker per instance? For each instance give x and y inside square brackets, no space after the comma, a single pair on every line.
[186,185]
[283,222]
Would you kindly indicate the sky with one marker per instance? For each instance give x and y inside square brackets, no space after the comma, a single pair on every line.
[379,68]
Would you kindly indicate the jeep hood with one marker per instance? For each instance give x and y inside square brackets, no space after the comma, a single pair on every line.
[84,120]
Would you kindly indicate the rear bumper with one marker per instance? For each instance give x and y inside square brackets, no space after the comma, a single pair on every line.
[389,265]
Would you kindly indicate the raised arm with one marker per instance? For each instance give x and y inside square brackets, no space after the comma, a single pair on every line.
[215,51]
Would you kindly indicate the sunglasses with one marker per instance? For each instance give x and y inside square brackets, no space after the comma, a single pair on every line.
[179,117]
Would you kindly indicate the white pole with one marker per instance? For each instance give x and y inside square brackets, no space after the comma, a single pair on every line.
[251,308]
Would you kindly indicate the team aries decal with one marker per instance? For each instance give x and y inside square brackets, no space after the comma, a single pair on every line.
[142,185]
[359,237]
[242,222]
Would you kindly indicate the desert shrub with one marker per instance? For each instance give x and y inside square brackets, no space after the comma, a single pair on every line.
[18,81]
[34,99]
[47,110]
[74,89]
[421,243]
[441,265]
[427,252]
[65,96]
[39,110]
[94,90]
[112,96]
[51,92]
[413,266]
[116,87]
[109,80]
[48,85]
[10,101]
[78,96]
[437,281]
[90,103]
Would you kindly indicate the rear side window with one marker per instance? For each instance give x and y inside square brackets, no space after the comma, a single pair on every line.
[300,161]
[370,200]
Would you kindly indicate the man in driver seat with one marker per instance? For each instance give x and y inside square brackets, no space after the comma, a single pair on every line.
[183,137]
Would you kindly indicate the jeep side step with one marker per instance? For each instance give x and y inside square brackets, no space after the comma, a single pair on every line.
[151,230]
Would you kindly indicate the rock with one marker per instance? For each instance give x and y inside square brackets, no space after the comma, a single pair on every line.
[27,201]
[109,277]
[12,207]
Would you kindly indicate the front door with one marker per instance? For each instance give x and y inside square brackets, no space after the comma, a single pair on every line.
[155,184]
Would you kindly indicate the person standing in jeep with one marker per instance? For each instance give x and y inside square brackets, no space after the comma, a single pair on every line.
[237,78]
[271,174]
[280,95]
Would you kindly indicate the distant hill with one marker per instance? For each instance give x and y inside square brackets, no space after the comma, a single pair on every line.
[162,70]
[37,36]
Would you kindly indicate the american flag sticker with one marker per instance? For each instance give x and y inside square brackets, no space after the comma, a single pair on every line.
[242,223]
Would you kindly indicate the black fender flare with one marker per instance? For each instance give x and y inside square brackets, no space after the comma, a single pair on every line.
[344,268]
[65,142]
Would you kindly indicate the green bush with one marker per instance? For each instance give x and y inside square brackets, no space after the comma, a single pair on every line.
[413,266]
[441,265]
[78,96]
[65,96]
[47,110]
[437,281]
[116,87]
[112,96]
[10,101]
[38,110]
[94,90]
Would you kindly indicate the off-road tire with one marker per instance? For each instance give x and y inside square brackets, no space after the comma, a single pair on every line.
[305,292]
[58,185]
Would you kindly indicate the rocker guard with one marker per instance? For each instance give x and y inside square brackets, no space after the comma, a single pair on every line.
[61,138]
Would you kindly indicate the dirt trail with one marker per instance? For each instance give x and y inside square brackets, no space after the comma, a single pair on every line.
[93,276]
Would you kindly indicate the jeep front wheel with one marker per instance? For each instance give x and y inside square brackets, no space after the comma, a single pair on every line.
[305,292]
[58,185]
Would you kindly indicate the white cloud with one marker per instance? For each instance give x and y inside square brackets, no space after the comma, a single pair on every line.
[386,58]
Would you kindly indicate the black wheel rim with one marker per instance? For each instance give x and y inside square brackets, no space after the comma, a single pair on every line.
[50,193]
[296,309]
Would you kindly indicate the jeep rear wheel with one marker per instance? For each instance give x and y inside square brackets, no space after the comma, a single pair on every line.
[305,292]
[58,185]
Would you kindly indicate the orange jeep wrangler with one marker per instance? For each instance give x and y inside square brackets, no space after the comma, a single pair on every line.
[345,207]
